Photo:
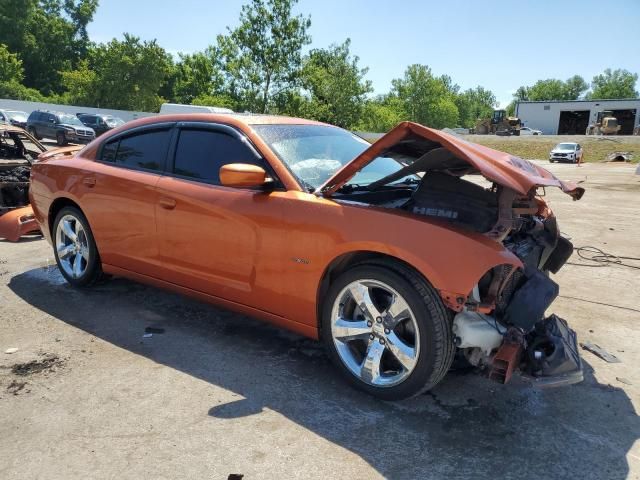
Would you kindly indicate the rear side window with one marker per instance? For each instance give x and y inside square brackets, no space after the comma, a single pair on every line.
[147,150]
[201,153]
[109,151]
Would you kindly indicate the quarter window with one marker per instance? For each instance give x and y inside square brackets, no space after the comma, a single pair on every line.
[201,153]
[146,150]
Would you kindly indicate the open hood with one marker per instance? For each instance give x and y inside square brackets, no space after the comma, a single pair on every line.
[410,139]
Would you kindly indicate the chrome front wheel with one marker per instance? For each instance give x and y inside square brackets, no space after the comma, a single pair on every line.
[375,332]
[387,330]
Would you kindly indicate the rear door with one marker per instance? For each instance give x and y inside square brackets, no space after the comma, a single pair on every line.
[223,241]
[120,197]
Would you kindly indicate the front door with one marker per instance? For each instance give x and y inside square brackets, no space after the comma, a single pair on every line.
[226,242]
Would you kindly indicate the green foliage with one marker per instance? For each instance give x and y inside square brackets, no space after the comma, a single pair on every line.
[17,91]
[257,66]
[381,114]
[426,99]
[195,76]
[335,85]
[214,100]
[49,36]
[473,104]
[261,57]
[10,66]
[614,84]
[553,89]
[124,75]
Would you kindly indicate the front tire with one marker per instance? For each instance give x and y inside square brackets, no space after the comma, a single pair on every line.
[34,133]
[61,139]
[75,249]
[387,330]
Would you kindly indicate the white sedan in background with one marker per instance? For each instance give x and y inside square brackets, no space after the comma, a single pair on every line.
[566,152]
[530,131]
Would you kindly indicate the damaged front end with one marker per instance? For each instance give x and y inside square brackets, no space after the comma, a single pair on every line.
[500,325]
[18,150]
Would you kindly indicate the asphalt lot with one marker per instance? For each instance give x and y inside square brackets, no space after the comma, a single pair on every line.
[217,393]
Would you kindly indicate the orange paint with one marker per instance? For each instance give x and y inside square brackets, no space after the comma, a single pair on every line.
[261,252]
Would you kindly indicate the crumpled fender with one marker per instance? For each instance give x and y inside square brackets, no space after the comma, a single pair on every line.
[16,223]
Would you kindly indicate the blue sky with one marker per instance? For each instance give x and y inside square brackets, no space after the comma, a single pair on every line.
[497,44]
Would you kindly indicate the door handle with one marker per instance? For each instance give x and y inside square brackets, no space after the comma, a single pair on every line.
[89,181]
[168,203]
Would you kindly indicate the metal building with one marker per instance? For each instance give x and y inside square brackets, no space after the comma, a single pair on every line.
[572,117]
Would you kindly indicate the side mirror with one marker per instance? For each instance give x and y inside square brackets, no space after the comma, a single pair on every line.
[242,175]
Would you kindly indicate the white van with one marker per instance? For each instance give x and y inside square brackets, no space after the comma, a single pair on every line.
[180,108]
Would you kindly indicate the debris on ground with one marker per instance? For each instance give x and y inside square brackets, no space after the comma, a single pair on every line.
[147,335]
[620,157]
[624,380]
[36,366]
[600,352]
[16,387]
[154,330]
[11,350]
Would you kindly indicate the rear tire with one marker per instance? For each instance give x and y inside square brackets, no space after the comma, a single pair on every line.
[75,249]
[411,342]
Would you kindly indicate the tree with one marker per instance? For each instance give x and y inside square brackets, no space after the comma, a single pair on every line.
[49,36]
[553,89]
[11,75]
[473,104]
[614,84]
[195,76]
[261,57]
[575,87]
[335,85]
[124,75]
[381,114]
[426,99]
[10,66]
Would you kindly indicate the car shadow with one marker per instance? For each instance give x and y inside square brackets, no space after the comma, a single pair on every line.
[466,426]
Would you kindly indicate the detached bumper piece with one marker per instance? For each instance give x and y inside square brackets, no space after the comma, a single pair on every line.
[547,356]
[18,222]
[552,357]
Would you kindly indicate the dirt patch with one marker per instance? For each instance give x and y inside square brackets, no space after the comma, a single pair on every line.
[36,366]
[16,387]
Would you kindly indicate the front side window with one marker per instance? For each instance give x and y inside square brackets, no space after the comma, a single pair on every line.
[200,154]
[146,150]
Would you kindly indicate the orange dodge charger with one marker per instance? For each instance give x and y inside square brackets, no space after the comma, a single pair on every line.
[400,255]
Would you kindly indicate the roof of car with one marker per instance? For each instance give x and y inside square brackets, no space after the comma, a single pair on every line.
[227,118]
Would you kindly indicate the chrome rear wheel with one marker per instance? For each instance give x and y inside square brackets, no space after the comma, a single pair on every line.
[72,246]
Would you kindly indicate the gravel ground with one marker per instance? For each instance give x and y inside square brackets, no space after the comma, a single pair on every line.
[86,395]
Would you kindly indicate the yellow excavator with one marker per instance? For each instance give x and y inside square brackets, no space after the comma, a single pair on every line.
[606,124]
[498,124]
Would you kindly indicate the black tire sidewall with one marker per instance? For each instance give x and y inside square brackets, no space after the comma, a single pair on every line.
[94,268]
[59,136]
[426,364]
